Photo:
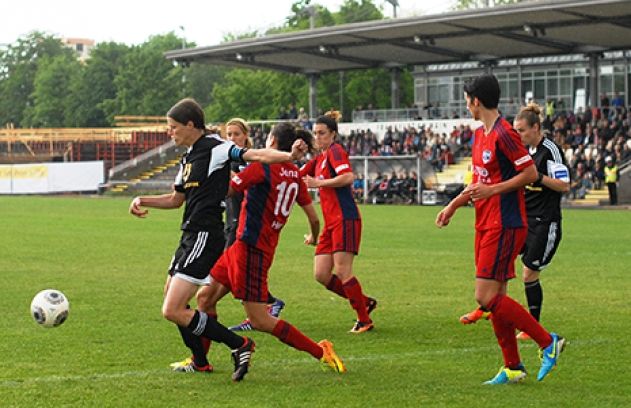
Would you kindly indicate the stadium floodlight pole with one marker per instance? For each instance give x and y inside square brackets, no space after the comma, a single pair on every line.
[311,11]
[183,37]
[395,4]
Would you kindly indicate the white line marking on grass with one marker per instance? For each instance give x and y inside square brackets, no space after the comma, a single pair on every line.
[295,361]
[61,378]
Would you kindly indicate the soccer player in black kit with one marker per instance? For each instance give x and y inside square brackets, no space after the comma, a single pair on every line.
[202,185]
[543,204]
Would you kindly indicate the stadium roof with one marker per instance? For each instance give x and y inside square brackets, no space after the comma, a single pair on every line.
[522,30]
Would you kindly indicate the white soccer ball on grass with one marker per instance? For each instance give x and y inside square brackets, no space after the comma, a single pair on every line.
[50,308]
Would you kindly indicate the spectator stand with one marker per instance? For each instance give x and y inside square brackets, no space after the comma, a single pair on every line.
[110,145]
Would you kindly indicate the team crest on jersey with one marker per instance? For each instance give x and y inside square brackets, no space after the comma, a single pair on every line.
[486,156]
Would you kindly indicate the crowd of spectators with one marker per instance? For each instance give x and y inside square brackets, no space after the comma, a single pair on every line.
[588,137]
[393,188]
[439,149]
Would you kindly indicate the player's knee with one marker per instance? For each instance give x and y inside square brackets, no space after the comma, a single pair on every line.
[483,299]
[322,276]
[205,302]
[169,313]
[262,323]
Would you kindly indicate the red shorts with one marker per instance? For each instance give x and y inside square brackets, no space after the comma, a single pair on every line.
[243,270]
[344,236]
[496,251]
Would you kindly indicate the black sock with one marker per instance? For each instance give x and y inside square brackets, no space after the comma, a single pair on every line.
[270,298]
[534,295]
[194,343]
[205,325]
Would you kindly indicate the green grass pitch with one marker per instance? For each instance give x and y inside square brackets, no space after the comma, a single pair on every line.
[115,348]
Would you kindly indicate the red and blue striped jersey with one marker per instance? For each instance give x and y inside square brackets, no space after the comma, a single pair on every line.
[270,193]
[337,203]
[496,157]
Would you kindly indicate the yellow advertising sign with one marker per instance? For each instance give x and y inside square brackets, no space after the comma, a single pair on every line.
[5,172]
[30,172]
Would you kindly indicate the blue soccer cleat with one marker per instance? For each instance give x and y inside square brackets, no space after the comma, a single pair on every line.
[276,307]
[508,376]
[243,326]
[550,355]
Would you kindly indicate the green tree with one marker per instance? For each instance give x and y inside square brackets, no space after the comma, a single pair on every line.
[300,15]
[242,90]
[255,94]
[200,80]
[95,85]
[51,91]
[18,69]
[353,11]
[147,83]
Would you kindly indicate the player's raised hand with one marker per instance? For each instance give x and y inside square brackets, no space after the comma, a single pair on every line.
[298,149]
[134,208]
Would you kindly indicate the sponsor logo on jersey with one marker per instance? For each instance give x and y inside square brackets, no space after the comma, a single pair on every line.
[486,156]
[482,173]
[237,180]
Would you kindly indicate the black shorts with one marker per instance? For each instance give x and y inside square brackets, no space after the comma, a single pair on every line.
[541,244]
[196,255]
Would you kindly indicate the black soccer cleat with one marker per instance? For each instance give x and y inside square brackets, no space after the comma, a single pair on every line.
[241,358]
[371,304]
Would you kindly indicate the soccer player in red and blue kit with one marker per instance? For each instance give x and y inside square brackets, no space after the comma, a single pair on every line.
[270,193]
[501,168]
[331,173]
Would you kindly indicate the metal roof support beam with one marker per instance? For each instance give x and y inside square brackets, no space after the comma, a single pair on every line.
[430,48]
[313,95]
[395,88]
[594,92]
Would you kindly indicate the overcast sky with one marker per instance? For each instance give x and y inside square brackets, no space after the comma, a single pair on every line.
[132,21]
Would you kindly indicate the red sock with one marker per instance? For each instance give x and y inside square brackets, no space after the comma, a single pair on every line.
[335,286]
[509,311]
[357,299]
[290,335]
[505,333]
[206,342]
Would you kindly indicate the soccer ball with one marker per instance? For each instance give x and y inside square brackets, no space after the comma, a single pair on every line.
[50,308]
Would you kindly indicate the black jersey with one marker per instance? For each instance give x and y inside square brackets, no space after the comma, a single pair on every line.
[204,177]
[543,203]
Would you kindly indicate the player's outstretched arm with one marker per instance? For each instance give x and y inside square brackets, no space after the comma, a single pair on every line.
[270,156]
[314,224]
[164,201]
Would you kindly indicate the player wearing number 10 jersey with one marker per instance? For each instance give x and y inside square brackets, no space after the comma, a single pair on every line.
[270,193]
